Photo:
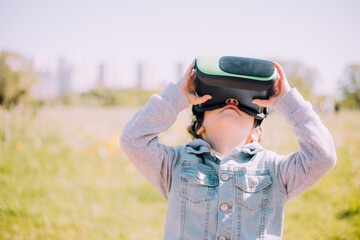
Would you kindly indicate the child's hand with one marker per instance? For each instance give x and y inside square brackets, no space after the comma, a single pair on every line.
[281,87]
[187,84]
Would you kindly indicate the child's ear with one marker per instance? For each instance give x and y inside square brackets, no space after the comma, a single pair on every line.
[201,130]
[255,135]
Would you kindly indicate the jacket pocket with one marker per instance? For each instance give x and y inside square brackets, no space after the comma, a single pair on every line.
[198,185]
[251,190]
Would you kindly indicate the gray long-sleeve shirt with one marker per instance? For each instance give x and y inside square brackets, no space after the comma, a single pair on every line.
[257,182]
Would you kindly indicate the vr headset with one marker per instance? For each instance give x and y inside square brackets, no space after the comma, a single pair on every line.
[235,80]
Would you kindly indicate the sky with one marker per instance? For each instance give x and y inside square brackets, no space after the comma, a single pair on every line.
[323,35]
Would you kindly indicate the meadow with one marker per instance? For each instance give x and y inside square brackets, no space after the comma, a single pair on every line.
[63,176]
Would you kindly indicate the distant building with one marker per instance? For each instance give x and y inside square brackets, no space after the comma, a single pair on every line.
[80,74]
[101,75]
[64,76]
[47,85]
[109,75]
[147,77]
[76,74]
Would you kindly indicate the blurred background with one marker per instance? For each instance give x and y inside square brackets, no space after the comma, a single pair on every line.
[72,73]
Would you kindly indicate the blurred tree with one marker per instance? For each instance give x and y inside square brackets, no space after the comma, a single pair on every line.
[351,87]
[301,77]
[16,79]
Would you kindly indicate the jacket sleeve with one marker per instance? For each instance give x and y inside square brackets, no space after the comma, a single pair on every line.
[299,171]
[139,139]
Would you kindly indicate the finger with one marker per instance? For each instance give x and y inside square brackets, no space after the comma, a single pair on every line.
[280,70]
[193,74]
[202,99]
[284,84]
[191,80]
[262,103]
[190,68]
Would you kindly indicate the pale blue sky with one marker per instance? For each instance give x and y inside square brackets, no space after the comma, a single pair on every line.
[324,34]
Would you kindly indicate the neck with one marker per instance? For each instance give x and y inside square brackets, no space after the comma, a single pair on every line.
[225,143]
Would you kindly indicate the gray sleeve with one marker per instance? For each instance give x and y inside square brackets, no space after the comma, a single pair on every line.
[139,139]
[299,171]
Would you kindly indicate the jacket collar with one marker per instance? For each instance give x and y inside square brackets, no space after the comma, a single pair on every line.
[199,146]
[252,148]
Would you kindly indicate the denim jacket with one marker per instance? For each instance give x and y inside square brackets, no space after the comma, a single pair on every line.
[241,196]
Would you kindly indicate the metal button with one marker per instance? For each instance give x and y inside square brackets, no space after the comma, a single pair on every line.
[224,207]
[200,175]
[225,177]
[251,182]
[222,238]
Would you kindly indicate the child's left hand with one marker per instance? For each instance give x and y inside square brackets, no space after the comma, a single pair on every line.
[281,87]
[187,85]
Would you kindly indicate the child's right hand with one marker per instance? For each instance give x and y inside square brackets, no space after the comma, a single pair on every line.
[281,87]
[187,84]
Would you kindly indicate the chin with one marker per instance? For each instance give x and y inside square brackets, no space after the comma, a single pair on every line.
[230,119]
[231,124]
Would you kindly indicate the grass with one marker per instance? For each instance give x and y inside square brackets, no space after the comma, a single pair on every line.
[63,176]
[331,209]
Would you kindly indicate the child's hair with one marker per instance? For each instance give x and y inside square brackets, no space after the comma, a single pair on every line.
[197,121]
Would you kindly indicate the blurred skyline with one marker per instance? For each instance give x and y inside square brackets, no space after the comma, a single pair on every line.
[323,35]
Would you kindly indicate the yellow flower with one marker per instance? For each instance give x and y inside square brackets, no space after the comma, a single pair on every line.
[19,145]
[107,173]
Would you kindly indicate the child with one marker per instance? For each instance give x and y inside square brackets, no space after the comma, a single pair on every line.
[224,185]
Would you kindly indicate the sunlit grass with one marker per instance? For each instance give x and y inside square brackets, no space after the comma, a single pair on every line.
[73,182]
[63,176]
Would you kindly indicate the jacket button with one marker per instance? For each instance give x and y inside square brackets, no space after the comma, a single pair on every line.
[222,238]
[225,177]
[224,207]
[200,176]
[251,183]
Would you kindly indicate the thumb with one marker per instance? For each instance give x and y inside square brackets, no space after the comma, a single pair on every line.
[202,99]
[262,103]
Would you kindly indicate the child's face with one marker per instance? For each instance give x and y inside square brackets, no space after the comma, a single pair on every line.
[228,120]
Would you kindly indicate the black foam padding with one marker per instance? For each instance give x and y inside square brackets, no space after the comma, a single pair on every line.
[220,94]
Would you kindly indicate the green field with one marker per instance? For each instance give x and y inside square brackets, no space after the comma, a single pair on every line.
[63,176]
